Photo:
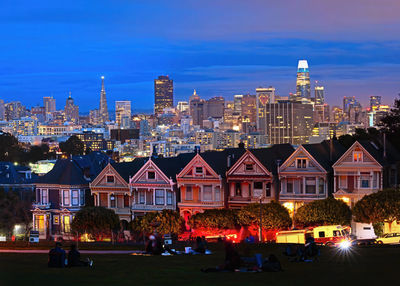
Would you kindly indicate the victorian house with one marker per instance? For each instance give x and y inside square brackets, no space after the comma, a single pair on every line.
[111,189]
[306,175]
[365,168]
[62,192]
[253,177]
[202,181]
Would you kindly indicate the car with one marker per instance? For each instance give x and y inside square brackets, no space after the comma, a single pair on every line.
[389,238]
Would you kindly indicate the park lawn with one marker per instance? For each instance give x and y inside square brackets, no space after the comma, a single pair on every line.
[376,265]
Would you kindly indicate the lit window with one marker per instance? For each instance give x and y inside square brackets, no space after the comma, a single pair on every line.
[357,156]
[112,201]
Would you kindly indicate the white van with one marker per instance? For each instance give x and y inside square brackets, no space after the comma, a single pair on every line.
[363,232]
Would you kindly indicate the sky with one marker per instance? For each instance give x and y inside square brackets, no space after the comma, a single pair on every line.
[218,47]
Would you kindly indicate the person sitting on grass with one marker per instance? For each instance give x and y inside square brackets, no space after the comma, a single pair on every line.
[74,258]
[199,246]
[154,245]
[56,257]
[232,260]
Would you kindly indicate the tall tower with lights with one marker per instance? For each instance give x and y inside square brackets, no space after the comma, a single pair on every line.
[303,87]
[103,110]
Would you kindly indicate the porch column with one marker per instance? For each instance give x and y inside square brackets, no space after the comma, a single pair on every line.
[108,200]
[303,189]
[154,197]
[317,185]
[232,189]
[165,197]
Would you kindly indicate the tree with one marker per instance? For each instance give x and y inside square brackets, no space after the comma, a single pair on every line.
[274,216]
[73,146]
[9,148]
[37,153]
[383,206]
[164,222]
[217,218]
[323,212]
[95,221]
[390,124]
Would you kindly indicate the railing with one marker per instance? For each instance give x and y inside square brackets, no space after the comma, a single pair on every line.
[152,207]
[41,205]
[301,196]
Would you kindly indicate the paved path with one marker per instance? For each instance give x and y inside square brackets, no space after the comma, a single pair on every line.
[81,251]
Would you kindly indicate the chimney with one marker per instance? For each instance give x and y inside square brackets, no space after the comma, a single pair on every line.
[228,161]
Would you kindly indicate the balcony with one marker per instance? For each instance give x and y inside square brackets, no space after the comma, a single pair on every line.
[142,207]
[294,196]
[41,205]
[122,211]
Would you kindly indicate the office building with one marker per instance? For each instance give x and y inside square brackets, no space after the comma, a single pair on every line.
[303,89]
[183,106]
[49,104]
[14,110]
[374,102]
[215,107]
[103,110]
[123,113]
[321,113]
[237,103]
[319,97]
[71,110]
[163,94]
[249,108]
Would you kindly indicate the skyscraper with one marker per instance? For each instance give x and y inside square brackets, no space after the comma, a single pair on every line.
[71,110]
[249,108]
[123,113]
[163,94]
[303,89]
[319,94]
[265,96]
[214,107]
[49,104]
[375,101]
[103,110]
[237,103]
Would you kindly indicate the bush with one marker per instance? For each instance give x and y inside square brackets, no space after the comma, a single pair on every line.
[164,222]
[215,218]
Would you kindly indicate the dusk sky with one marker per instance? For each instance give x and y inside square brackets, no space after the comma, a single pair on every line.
[219,48]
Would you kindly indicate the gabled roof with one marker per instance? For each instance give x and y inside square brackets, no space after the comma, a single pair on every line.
[218,160]
[65,172]
[129,169]
[357,143]
[376,150]
[269,156]
[11,174]
[321,152]
[174,165]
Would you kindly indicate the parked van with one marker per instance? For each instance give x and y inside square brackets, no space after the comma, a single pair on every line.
[363,233]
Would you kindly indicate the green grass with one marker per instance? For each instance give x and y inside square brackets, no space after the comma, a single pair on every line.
[377,265]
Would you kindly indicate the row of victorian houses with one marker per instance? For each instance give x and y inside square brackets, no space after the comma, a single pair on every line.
[192,183]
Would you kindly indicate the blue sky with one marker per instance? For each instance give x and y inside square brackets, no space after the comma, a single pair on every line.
[219,47]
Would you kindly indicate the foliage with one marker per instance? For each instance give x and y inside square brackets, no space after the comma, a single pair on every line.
[378,228]
[9,148]
[14,209]
[360,134]
[37,153]
[73,146]
[323,212]
[383,206]
[214,218]
[95,221]
[164,222]
[274,216]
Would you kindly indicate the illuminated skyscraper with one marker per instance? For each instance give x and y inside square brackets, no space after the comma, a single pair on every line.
[319,94]
[237,103]
[103,110]
[375,101]
[249,108]
[265,97]
[71,110]
[303,89]
[123,113]
[49,104]
[163,94]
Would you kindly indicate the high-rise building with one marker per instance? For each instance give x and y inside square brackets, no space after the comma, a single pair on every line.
[183,106]
[265,96]
[249,108]
[103,110]
[123,113]
[163,94]
[375,101]
[215,107]
[14,110]
[321,113]
[94,116]
[49,104]
[287,122]
[71,110]
[237,103]
[319,94]
[2,110]
[303,88]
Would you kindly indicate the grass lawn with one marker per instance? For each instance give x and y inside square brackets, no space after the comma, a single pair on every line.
[376,265]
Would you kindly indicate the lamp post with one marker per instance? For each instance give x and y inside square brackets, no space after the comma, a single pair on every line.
[260,222]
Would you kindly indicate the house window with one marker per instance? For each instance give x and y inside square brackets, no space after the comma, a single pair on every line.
[364,180]
[126,201]
[207,193]
[151,175]
[112,201]
[342,181]
[257,189]
[249,167]
[45,197]
[75,197]
[357,156]
[301,163]
[189,193]
[289,186]
[199,170]
[82,197]
[217,194]
[169,198]
[110,179]
[160,197]
[67,224]
[310,186]
[141,197]
[66,200]
[238,190]
[258,185]
[321,186]
[268,189]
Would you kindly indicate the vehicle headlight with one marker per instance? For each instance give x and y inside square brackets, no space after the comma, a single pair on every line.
[345,244]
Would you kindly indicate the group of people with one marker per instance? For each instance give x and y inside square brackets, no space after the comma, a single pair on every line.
[59,259]
[299,253]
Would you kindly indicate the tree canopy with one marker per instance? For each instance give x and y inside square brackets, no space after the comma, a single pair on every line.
[214,218]
[73,146]
[323,212]
[95,221]
[164,222]
[383,206]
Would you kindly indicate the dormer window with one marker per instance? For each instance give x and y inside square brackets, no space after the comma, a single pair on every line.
[357,156]
[151,175]
[249,167]
[199,170]
[301,163]
[110,179]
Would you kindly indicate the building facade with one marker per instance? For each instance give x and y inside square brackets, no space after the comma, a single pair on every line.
[163,94]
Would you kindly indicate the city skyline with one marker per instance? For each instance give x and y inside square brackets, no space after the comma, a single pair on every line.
[130,44]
